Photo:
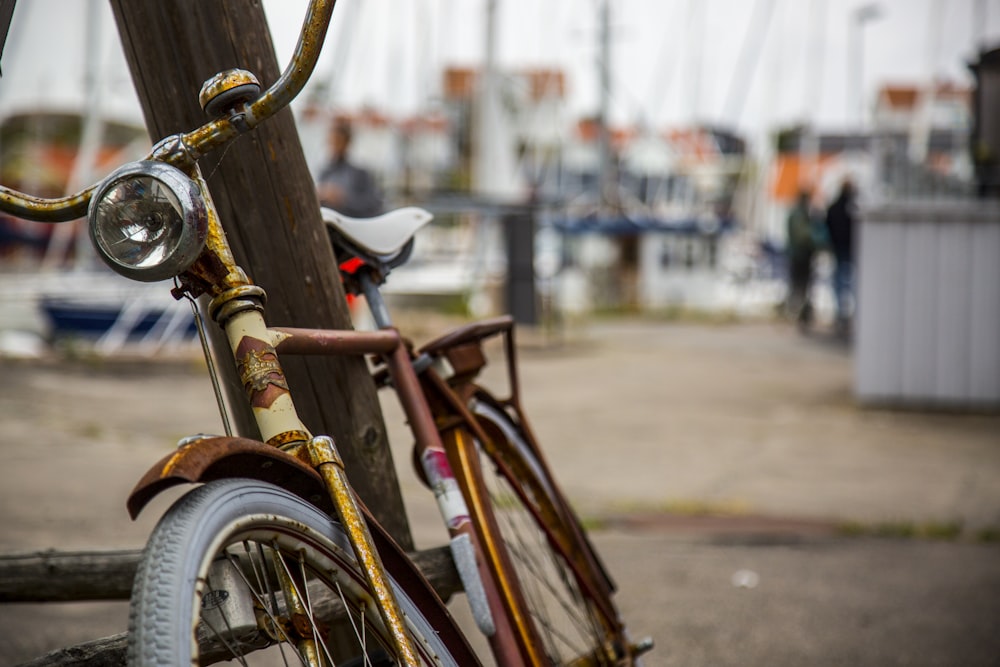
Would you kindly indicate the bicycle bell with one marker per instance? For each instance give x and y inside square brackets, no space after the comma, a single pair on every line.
[227,90]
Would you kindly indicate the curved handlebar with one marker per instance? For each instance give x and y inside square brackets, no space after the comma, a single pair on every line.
[182,150]
[40,209]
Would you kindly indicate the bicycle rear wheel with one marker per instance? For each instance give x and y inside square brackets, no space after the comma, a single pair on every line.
[244,570]
[565,592]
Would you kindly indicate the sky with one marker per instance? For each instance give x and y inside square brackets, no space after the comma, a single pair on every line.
[748,64]
[752,65]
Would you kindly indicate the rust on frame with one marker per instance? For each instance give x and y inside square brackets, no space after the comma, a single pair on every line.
[337,341]
[259,370]
[288,439]
[39,209]
[221,457]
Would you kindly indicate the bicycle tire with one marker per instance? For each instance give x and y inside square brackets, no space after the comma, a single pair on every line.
[221,547]
[576,622]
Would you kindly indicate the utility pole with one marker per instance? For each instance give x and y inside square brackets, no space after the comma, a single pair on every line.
[809,148]
[605,173]
[267,202]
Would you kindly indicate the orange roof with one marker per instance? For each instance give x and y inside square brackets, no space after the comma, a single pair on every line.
[546,83]
[460,82]
[906,96]
[792,173]
[899,98]
[435,123]
[695,144]
[588,129]
[365,117]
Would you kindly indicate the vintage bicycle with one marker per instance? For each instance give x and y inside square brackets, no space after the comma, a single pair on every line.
[272,556]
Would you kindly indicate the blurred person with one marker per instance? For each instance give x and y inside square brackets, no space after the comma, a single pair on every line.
[344,186]
[804,229]
[841,220]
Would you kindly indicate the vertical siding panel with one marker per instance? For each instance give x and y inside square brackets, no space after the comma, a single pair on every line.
[985,314]
[878,363]
[929,305]
[954,320]
[919,309]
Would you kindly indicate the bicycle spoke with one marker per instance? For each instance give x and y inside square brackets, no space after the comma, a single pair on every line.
[317,636]
[358,635]
[563,616]
[263,592]
[541,579]
[231,648]
[526,551]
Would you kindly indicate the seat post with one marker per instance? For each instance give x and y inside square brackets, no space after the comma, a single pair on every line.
[376,303]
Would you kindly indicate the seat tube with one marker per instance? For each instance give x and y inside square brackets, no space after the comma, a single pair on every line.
[376,302]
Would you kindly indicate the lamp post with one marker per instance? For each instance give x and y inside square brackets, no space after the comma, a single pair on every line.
[856,51]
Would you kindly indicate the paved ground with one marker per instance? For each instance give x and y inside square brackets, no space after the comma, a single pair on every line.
[742,499]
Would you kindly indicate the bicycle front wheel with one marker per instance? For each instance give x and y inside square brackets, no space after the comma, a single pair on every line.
[564,591]
[241,569]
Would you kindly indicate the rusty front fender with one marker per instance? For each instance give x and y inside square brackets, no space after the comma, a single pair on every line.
[221,457]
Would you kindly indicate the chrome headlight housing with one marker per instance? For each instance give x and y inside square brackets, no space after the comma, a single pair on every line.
[148,221]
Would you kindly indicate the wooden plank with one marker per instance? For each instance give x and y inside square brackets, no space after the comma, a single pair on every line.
[22,576]
[67,576]
[103,652]
[52,576]
[76,576]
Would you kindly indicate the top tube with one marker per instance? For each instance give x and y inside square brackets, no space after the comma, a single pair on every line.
[183,150]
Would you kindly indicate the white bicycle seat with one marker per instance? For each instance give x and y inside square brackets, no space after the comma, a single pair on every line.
[382,235]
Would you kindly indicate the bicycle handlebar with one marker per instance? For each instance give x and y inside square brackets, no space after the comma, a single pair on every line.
[184,149]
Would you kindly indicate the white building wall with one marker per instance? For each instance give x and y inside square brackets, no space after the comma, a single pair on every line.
[928,305]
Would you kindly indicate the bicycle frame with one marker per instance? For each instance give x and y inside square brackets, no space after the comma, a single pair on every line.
[434,410]
[237,305]
[292,457]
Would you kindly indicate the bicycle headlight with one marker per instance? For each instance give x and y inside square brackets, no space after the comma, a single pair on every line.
[148,221]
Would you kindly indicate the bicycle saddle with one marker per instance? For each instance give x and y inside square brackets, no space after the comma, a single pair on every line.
[381,238]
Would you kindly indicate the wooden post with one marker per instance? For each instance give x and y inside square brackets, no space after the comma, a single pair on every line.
[267,202]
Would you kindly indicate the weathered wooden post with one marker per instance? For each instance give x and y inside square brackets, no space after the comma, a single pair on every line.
[265,195]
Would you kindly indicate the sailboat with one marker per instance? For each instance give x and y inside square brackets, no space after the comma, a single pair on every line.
[50,146]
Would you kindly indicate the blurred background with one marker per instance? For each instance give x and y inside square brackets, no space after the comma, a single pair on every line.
[587,157]
[620,176]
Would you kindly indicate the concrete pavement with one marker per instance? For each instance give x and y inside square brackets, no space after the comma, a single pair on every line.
[737,490]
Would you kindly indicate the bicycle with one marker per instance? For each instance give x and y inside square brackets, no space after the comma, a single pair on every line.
[273,551]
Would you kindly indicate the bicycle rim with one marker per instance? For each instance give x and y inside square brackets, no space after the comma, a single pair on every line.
[569,624]
[245,571]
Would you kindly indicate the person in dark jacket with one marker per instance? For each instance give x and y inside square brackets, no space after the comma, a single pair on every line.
[803,242]
[841,221]
[343,186]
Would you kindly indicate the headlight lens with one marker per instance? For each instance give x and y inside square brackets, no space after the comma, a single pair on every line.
[148,221]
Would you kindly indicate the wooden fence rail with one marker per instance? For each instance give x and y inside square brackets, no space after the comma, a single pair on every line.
[75,576]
